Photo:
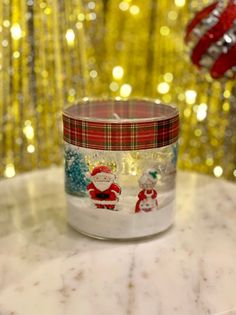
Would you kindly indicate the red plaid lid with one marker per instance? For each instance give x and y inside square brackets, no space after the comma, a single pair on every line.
[120,125]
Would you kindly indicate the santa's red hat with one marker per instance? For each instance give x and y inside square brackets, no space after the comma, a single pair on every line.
[101,169]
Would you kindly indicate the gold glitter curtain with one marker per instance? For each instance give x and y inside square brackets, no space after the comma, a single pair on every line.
[53,52]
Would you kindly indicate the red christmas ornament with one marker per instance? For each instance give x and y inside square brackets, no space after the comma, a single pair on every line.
[212,36]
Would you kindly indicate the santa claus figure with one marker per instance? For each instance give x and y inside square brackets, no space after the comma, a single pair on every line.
[103,190]
[147,197]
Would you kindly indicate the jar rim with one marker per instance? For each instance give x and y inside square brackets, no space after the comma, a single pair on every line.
[114,111]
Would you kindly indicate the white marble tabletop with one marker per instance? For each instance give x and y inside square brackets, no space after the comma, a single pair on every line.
[46,268]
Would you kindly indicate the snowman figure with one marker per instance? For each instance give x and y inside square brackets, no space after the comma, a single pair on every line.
[147,198]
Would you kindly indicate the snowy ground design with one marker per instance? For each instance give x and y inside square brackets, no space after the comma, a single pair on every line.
[124,223]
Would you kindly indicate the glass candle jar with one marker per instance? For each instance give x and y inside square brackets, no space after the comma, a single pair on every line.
[120,167]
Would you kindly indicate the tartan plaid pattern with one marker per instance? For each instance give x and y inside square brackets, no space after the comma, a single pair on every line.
[118,136]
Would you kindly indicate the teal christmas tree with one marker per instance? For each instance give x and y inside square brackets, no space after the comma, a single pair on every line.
[175,149]
[75,171]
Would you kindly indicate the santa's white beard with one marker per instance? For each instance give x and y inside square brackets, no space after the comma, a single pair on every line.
[102,186]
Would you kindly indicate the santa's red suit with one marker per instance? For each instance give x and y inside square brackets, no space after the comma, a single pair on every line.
[146,200]
[106,198]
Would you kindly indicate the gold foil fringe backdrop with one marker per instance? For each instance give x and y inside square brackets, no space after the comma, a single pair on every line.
[54,52]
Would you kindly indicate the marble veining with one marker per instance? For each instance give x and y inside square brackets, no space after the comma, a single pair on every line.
[48,268]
